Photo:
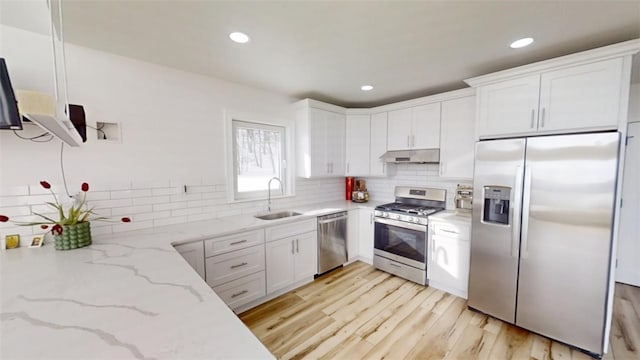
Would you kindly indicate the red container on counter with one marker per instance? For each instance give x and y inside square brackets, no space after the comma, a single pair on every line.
[349,182]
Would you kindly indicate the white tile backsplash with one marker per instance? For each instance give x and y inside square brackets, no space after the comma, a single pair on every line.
[161,203]
[422,175]
[156,203]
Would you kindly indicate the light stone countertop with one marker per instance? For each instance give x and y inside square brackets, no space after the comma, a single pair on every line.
[128,295]
[461,216]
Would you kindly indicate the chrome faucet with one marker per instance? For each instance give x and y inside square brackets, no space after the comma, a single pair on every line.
[269,186]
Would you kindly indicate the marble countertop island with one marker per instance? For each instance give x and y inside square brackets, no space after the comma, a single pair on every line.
[127,296]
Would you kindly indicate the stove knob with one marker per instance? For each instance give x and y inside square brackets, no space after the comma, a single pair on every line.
[385,215]
[415,220]
[397,217]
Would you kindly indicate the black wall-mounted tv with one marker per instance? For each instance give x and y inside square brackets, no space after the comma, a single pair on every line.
[9,115]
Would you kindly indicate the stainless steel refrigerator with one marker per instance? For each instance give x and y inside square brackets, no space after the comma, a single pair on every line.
[542,231]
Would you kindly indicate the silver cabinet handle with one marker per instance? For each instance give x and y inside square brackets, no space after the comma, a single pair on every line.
[348,168]
[292,247]
[240,293]
[542,120]
[394,264]
[371,218]
[238,242]
[239,265]
[533,114]
[449,231]
[297,246]
[408,144]
[413,140]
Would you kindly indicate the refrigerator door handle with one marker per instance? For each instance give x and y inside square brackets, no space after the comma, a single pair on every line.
[517,205]
[525,212]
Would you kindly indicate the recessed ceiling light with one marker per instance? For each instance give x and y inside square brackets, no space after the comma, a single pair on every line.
[366,87]
[240,38]
[521,43]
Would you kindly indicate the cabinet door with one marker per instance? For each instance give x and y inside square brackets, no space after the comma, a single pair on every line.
[457,137]
[193,253]
[365,235]
[378,141]
[279,258]
[353,234]
[426,127]
[449,263]
[358,134]
[509,107]
[335,143]
[305,261]
[583,97]
[399,129]
[317,156]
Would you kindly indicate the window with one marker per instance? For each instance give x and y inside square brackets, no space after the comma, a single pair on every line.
[258,156]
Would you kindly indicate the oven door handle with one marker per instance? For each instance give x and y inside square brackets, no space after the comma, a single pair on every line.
[401,224]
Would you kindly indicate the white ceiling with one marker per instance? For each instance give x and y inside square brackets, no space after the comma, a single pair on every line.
[327,50]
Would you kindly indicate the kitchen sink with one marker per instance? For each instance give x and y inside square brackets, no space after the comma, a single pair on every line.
[278,215]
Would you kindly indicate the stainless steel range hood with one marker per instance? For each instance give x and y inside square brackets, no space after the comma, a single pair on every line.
[418,156]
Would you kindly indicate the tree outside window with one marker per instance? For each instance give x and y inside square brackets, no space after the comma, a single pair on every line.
[259,151]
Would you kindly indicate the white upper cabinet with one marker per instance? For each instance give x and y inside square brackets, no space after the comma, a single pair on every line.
[587,91]
[399,129]
[378,167]
[358,138]
[582,97]
[414,128]
[320,141]
[457,137]
[578,98]
[509,107]
[426,127]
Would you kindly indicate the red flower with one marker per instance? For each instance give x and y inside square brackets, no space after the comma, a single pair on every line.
[57,229]
[85,187]
[4,218]
[126,219]
[44,227]
[45,184]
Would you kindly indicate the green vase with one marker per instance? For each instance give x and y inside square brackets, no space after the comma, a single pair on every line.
[74,236]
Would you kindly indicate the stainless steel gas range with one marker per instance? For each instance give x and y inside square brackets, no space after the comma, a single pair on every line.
[400,235]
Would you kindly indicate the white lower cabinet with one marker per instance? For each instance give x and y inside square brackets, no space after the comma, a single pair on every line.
[366,235]
[353,234]
[448,260]
[360,235]
[193,253]
[243,290]
[233,265]
[291,260]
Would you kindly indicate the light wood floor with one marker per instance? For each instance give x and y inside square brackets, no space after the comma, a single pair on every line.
[359,312]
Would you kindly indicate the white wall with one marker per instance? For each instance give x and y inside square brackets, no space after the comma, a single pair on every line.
[172,134]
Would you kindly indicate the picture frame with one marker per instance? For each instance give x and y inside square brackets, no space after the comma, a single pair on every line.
[36,241]
[12,241]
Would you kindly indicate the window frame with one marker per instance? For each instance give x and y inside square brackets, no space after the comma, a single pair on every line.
[286,170]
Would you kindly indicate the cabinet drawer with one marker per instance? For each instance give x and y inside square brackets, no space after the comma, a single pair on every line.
[243,290]
[452,230]
[290,229]
[233,265]
[228,243]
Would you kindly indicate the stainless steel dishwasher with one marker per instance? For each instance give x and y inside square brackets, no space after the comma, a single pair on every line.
[332,241]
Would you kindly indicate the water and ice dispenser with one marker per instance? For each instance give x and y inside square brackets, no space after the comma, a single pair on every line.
[496,204]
